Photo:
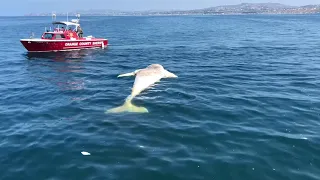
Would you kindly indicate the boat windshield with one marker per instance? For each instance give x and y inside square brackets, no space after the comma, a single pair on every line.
[48,36]
[59,27]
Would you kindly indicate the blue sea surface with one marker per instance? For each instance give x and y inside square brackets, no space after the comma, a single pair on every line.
[245,105]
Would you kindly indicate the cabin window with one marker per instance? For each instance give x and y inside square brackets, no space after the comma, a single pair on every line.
[48,36]
[60,36]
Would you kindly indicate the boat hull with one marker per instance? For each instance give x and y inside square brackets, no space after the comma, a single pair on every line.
[41,45]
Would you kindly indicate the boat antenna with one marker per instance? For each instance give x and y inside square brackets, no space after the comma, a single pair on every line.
[78,17]
[54,16]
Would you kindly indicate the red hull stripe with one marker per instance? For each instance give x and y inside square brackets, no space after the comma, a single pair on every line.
[43,46]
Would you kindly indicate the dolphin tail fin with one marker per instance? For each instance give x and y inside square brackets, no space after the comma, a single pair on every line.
[130,74]
[170,74]
[127,107]
[127,74]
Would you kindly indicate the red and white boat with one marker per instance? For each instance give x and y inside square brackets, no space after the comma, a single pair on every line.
[63,37]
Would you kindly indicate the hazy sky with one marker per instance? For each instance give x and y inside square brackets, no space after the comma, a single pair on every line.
[21,7]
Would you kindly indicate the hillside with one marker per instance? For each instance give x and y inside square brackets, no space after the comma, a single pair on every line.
[243,8]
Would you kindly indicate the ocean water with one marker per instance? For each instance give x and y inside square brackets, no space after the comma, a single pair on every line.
[245,105]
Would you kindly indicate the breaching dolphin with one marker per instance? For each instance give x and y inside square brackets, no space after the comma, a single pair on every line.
[144,78]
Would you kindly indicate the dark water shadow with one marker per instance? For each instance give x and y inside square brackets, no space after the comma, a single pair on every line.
[64,56]
[65,70]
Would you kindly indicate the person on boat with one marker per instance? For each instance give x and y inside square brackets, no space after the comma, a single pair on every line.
[79,31]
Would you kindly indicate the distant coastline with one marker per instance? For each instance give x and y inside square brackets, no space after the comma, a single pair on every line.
[239,9]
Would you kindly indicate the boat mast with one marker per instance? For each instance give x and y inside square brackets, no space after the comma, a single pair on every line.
[54,17]
[78,17]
